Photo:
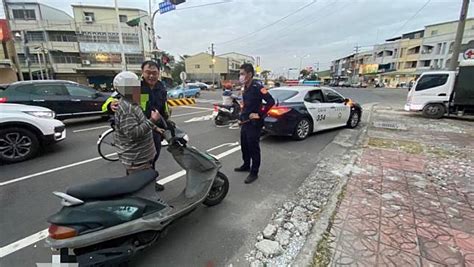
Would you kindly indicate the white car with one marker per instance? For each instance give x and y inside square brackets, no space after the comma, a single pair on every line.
[25,129]
[301,110]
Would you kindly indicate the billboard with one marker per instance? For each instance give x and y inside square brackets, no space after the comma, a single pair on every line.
[4,31]
[368,68]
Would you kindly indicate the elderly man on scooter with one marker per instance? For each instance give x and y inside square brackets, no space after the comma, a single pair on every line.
[133,131]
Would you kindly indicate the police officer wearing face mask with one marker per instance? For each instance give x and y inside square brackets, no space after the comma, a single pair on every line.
[251,120]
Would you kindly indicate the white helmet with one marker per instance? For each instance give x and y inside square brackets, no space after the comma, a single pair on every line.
[125,81]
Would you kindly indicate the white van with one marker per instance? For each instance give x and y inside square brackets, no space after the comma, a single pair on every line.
[439,93]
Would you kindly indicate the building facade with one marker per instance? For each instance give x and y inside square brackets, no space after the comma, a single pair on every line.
[402,59]
[200,67]
[84,48]
[98,40]
[8,71]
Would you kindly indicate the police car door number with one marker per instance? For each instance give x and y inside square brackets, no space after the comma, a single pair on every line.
[321,114]
[321,117]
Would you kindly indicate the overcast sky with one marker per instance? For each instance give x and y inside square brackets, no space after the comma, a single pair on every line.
[324,30]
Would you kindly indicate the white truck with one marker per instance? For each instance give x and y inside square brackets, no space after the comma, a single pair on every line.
[440,93]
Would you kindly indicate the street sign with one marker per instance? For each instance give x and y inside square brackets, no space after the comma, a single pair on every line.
[469,54]
[183,76]
[166,7]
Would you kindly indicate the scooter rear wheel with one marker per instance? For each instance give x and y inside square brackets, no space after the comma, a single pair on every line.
[218,192]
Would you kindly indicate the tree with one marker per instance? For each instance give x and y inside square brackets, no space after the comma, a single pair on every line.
[178,67]
[304,73]
[265,74]
[312,77]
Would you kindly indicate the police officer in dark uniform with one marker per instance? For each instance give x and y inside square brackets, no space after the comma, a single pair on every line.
[251,120]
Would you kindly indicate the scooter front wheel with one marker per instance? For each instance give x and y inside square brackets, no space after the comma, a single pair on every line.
[218,191]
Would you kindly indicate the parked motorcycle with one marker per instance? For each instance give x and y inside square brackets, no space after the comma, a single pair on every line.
[225,115]
[104,223]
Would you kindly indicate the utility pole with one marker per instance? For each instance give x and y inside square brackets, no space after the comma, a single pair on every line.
[459,34]
[356,50]
[122,52]
[213,65]
[40,64]
[13,54]
[43,52]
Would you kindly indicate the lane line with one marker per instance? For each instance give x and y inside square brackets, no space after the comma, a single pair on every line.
[29,240]
[219,146]
[91,129]
[187,114]
[51,170]
[25,242]
[196,108]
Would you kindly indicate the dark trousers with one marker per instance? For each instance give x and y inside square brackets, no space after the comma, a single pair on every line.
[157,141]
[250,143]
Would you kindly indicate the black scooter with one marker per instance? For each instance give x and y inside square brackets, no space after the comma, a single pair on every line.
[225,115]
[104,223]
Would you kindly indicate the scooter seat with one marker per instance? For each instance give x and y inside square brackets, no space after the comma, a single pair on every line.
[113,187]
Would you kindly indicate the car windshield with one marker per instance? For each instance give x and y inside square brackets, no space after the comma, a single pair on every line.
[282,95]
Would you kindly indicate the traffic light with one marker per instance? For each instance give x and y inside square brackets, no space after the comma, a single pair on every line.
[177,2]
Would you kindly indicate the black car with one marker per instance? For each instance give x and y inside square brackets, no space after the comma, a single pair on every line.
[67,99]
[301,111]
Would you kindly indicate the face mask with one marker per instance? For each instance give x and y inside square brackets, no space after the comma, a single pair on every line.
[242,79]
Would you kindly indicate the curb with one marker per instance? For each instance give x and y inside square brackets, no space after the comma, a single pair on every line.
[306,254]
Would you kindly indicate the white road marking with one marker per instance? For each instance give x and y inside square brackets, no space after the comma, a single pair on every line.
[29,240]
[91,129]
[52,170]
[202,118]
[183,172]
[20,244]
[219,146]
[200,100]
[187,114]
[196,107]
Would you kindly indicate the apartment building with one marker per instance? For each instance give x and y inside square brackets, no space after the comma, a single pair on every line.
[438,41]
[84,48]
[401,59]
[199,66]
[8,71]
[98,39]
[51,48]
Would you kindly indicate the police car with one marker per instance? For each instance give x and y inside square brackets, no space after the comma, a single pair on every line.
[300,111]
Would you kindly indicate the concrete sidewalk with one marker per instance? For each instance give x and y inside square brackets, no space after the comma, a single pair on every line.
[412,203]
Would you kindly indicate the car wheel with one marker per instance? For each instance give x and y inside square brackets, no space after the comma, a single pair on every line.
[17,144]
[434,111]
[302,129]
[180,96]
[354,119]
[197,95]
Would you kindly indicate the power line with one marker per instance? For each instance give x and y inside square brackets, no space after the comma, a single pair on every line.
[269,25]
[210,4]
[318,19]
[281,30]
[414,15]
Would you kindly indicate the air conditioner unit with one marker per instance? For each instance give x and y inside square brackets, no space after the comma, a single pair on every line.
[88,19]
[86,62]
